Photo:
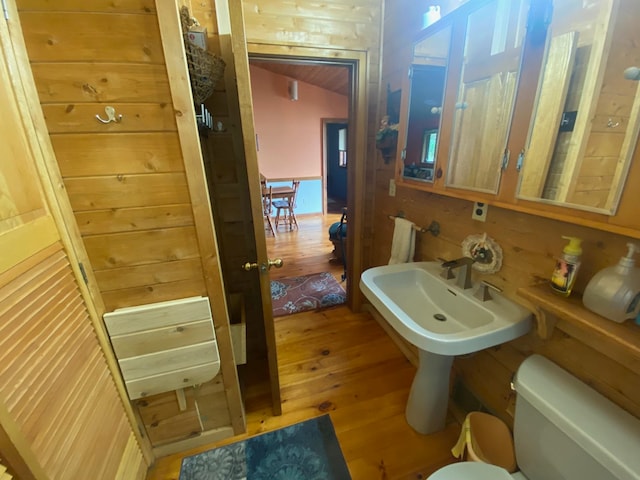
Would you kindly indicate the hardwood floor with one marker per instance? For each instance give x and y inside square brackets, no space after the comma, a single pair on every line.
[342,363]
[306,249]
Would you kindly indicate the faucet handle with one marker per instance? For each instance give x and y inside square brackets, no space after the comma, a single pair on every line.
[482,293]
[447,273]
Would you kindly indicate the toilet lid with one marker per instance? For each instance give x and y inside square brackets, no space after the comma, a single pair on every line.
[471,471]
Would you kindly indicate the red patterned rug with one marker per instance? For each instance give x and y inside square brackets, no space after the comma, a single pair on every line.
[301,294]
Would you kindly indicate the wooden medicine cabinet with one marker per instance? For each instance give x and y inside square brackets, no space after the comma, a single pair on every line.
[536,114]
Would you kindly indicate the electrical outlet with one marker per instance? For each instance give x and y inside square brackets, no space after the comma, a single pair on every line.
[480,211]
[392,188]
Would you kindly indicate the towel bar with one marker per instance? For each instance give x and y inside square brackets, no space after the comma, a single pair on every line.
[433,228]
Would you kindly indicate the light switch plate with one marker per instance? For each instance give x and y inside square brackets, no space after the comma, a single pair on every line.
[480,211]
[392,187]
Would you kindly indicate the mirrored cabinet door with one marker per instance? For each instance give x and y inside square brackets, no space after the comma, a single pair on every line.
[492,53]
[585,125]
[427,83]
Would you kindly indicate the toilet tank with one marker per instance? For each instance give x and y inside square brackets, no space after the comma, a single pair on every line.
[565,430]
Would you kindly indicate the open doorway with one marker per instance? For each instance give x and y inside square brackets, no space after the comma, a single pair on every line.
[301,117]
[335,133]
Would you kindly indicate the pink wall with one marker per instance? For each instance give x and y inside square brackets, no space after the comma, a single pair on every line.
[290,132]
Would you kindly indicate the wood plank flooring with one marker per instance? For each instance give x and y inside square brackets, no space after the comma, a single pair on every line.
[342,363]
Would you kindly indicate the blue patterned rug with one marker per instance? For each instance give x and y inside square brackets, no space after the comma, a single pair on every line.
[305,451]
[309,292]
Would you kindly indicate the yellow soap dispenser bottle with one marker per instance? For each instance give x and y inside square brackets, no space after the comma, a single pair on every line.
[567,265]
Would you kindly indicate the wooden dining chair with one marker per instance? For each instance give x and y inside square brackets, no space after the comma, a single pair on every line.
[267,206]
[287,206]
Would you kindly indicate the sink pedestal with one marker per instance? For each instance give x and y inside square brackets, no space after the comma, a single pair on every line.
[427,406]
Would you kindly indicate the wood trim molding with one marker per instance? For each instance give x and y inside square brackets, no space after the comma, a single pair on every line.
[358,60]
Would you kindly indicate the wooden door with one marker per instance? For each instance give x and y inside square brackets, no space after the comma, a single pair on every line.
[58,401]
[237,81]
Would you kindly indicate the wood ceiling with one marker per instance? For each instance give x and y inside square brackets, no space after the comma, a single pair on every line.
[334,78]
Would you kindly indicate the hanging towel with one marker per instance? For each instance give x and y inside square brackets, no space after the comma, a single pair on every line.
[404,242]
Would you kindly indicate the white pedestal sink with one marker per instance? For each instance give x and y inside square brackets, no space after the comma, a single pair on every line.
[443,321]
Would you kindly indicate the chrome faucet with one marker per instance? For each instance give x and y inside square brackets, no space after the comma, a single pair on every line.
[464,278]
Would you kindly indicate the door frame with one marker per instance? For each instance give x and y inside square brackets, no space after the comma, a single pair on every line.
[325,168]
[357,61]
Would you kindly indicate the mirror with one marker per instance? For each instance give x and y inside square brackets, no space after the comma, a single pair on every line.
[486,95]
[426,94]
[585,125]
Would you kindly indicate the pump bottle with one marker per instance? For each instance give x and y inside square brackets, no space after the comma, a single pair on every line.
[567,265]
[614,292]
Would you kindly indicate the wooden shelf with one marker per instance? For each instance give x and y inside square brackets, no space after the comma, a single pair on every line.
[620,341]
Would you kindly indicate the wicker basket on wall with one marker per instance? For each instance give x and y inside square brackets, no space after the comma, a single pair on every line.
[205,68]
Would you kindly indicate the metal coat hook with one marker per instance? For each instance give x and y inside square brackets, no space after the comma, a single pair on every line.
[111,116]
[610,124]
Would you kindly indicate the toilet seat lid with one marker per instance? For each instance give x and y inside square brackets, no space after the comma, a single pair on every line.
[471,471]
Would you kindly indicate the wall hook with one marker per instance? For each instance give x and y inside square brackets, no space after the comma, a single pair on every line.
[111,115]
[610,124]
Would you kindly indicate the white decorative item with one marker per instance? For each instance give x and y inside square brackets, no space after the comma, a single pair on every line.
[485,251]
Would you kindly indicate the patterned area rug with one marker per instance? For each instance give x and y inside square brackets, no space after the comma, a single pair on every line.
[304,451]
[310,292]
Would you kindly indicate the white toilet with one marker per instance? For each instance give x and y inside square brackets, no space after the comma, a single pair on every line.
[563,430]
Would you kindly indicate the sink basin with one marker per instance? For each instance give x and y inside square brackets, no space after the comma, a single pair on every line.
[442,320]
[436,315]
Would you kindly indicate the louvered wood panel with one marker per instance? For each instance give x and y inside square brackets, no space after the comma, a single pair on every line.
[56,384]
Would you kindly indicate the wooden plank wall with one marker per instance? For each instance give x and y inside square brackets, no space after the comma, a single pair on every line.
[56,383]
[126,181]
[60,411]
[529,243]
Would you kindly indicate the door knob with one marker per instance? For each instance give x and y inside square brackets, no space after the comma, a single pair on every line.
[277,262]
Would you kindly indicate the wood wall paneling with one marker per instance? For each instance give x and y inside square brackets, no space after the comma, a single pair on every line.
[58,403]
[74,36]
[132,196]
[125,153]
[530,244]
